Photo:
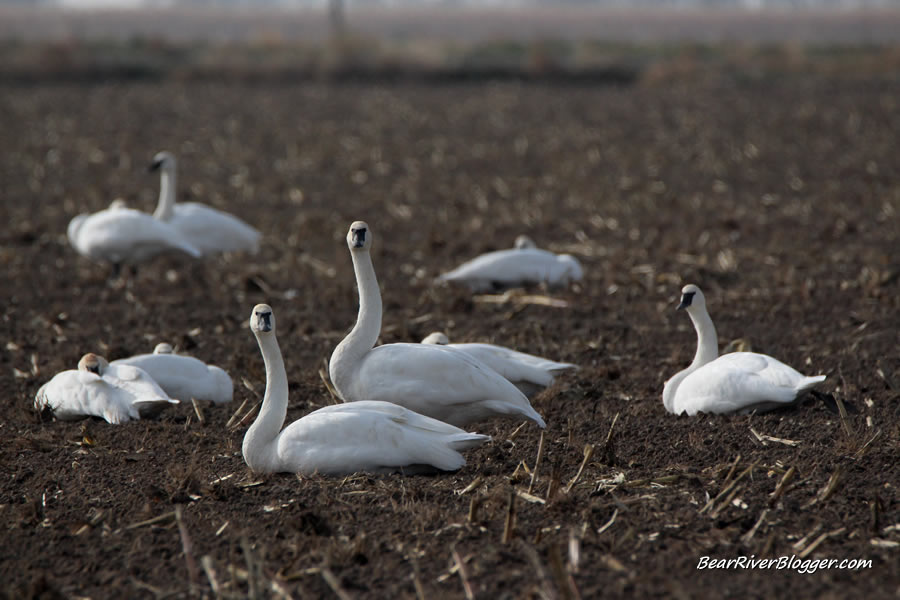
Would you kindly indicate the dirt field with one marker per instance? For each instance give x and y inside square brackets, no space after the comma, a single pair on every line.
[779,198]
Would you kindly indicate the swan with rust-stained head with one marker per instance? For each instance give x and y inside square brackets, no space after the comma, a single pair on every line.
[210,230]
[736,382]
[114,393]
[524,264]
[345,438]
[527,372]
[183,377]
[431,380]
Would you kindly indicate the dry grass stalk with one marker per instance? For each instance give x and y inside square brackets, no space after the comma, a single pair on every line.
[612,563]
[157,519]
[463,575]
[800,544]
[559,573]
[609,523]
[575,538]
[588,452]
[254,575]
[471,487]
[749,535]
[198,411]
[416,578]
[553,485]
[826,492]
[187,548]
[763,438]
[235,416]
[519,299]
[782,485]
[530,497]
[537,463]
[510,522]
[323,374]
[652,481]
[516,431]
[334,584]
[474,505]
[727,501]
[865,447]
[727,489]
[540,570]
[247,417]
[809,549]
[206,561]
[842,410]
[610,432]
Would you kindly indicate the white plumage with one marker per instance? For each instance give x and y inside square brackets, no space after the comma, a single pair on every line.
[183,377]
[735,382]
[521,265]
[114,393]
[210,230]
[527,372]
[346,438]
[432,380]
[121,235]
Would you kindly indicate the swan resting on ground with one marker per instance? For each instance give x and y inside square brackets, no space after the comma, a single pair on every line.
[210,230]
[527,372]
[431,380]
[345,438]
[121,235]
[183,377]
[114,393]
[521,265]
[736,382]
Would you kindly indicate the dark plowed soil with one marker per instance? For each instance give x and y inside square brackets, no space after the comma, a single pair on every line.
[781,199]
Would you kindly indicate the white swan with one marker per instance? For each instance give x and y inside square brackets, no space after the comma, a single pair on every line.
[735,382]
[121,235]
[521,265]
[96,388]
[345,438]
[183,377]
[208,229]
[527,372]
[431,380]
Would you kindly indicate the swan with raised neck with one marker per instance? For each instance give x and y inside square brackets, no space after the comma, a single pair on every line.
[343,438]
[734,382]
[432,380]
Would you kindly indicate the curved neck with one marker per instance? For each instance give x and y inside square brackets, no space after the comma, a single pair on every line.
[365,333]
[707,351]
[707,340]
[165,208]
[260,448]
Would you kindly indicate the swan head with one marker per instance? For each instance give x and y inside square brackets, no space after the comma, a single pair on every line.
[162,160]
[74,227]
[262,319]
[692,299]
[436,337]
[523,242]
[92,363]
[163,348]
[359,237]
[573,270]
[117,204]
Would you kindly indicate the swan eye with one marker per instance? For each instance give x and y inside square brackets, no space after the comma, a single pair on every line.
[686,300]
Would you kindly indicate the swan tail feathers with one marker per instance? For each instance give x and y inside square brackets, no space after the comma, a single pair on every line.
[809,382]
[466,441]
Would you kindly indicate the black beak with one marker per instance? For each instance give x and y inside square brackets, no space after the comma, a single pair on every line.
[359,238]
[686,300]
[154,166]
[265,321]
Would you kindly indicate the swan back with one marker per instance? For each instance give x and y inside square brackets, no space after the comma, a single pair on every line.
[184,377]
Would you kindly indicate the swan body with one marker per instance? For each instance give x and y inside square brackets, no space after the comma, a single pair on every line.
[527,372]
[210,230]
[521,265]
[735,382]
[121,235]
[345,438]
[183,377]
[114,393]
[432,380]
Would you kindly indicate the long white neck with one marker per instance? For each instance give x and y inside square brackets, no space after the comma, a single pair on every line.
[707,351]
[260,446]
[365,333]
[165,208]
